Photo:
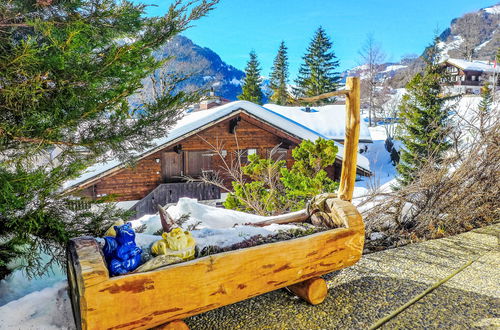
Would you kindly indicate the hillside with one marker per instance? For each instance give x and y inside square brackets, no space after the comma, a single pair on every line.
[474,35]
[203,67]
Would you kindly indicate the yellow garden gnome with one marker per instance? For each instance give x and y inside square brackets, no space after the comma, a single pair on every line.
[175,241]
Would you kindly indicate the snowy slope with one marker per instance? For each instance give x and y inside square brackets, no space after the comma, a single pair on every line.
[380,160]
[493,9]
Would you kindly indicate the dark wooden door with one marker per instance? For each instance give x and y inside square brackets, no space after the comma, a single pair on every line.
[172,166]
[198,162]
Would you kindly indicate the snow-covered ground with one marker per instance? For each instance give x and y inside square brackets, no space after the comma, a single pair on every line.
[380,160]
[47,309]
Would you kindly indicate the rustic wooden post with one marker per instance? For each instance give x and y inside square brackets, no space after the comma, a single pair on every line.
[352,105]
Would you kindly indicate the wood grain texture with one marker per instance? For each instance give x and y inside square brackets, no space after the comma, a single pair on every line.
[325,95]
[313,290]
[348,175]
[146,300]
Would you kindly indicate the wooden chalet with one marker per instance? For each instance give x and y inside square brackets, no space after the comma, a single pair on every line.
[188,151]
[468,76]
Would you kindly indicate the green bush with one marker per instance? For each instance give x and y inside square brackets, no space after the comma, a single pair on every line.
[272,188]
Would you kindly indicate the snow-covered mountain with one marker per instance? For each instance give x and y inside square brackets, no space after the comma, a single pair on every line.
[476,32]
[204,68]
[384,71]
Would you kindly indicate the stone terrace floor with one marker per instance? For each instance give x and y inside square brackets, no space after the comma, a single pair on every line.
[382,282]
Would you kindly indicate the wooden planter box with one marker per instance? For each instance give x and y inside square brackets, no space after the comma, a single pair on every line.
[145,300]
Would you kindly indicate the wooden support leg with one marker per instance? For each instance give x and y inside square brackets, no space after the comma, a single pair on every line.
[174,325]
[313,290]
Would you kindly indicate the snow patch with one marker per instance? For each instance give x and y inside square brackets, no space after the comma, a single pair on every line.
[328,120]
[217,226]
[495,10]
[394,67]
[445,47]
[236,82]
[47,309]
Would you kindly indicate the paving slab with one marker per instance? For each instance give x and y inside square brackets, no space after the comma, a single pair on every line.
[380,283]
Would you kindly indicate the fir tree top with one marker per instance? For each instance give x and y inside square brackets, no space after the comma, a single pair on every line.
[251,86]
[279,76]
[317,74]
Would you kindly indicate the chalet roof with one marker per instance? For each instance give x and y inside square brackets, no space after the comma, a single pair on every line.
[194,122]
[483,66]
[327,120]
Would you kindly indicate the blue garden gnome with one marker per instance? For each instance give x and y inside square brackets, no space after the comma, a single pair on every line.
[121,252]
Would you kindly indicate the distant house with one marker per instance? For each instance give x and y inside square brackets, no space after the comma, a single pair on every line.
[186,151]
[468,76]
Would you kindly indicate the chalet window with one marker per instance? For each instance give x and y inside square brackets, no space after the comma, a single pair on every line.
[473,78]
[279,154]
[198,162]
[243,155]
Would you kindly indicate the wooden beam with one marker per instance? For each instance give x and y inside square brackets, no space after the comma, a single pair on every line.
[348,175]
[313,291]
[324,96]
[297,216]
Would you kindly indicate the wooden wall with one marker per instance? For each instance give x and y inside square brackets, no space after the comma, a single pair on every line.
[136,182]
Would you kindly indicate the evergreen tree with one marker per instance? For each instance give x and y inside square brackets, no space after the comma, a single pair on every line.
[425,115]
[484,108]
[317,74]
[67,70]
[279,76]
[251,86]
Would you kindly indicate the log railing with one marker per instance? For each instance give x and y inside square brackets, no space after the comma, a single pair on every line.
[352,106]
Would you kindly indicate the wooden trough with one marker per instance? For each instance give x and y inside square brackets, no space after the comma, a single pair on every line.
[167,295]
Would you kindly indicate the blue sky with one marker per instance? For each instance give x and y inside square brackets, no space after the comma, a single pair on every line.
[236,27]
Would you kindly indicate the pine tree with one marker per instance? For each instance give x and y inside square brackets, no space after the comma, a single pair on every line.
[425,114]
[317,74]
[67,70]
[484,109]
[279,76]
[251,86]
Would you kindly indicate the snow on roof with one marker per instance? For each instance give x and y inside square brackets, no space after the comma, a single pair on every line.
[475,65]
[196,120]
[327,120]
